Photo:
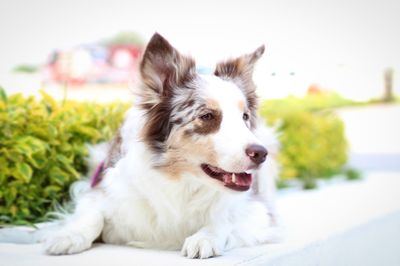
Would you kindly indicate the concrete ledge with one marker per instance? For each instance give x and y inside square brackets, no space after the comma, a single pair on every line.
[344,223]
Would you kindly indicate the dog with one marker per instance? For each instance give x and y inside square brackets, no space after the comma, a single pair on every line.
[192,168]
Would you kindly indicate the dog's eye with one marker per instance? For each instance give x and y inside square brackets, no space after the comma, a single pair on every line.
[207,117]
[245,117]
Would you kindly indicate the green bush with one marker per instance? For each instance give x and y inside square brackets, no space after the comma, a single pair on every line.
[352,174]
[26,68]
[42,150]
[313,144]
[311,103]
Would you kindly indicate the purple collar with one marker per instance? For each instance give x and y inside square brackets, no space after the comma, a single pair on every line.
[97,176]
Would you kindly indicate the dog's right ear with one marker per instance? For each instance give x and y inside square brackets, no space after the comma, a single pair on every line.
[163,68]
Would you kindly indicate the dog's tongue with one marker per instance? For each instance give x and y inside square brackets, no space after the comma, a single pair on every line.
[237,179]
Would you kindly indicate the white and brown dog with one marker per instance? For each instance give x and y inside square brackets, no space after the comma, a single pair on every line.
[187,170]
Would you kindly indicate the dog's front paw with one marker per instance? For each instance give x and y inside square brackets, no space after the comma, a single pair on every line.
[200,246]
[69,243]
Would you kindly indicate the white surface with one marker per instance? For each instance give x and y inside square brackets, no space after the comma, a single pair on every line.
[340,224]
[373,129]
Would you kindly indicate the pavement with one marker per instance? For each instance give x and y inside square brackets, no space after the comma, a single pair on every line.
[374,136]
[341,223]
[345,223]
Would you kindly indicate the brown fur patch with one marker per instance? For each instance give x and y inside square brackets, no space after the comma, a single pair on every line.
[204,127]
[189,103]
[212,104]
[176,161]
[158,128]
[178,121]
[241,106]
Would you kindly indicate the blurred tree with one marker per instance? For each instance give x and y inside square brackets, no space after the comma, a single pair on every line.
[26,68]
[126,38]
[388,79]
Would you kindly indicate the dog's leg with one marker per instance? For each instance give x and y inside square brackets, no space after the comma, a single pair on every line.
[264,183]
[252,226]
[78,230]
[208,242]
[265,188]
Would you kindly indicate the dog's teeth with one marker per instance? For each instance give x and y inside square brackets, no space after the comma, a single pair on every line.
[233,178]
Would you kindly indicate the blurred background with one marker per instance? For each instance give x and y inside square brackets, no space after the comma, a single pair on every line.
[331,69]
[329,82]
[341,46]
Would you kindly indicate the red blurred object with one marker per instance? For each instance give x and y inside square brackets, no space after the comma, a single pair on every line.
[93,64]
[315,89]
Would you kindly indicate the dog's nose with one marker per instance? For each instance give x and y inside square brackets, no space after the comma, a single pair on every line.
[256,153]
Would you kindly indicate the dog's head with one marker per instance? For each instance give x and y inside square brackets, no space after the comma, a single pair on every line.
[200,125]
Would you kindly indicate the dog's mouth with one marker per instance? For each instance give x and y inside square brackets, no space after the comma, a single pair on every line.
[234,181]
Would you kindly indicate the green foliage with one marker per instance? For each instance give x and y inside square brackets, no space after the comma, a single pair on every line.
[126,38]
[311,103]
[43,150]
[26,68]
[352,174]
[313,144]
[43,147]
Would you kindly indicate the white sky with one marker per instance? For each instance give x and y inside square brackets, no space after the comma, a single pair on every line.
[308,37]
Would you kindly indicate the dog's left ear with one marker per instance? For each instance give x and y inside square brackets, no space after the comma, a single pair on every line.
[240,69]
[163,68]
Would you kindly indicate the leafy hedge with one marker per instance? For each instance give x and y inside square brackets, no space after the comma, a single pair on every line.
[43,148]
[312,103]
[313,143]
